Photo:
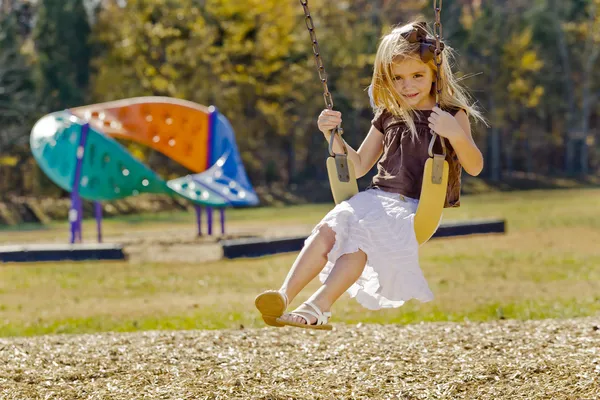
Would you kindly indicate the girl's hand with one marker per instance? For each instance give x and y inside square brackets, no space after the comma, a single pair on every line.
[444,124]
[328,120]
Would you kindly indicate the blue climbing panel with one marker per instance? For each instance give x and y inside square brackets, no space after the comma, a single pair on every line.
[226,176]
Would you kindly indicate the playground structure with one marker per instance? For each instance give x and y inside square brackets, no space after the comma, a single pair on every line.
[77,149]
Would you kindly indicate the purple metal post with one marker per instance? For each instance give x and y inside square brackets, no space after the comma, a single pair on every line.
[222,221]
[213,114]
[80,220]
[98,214]
[199,218]
[73,217]
[209,215]
[75,210]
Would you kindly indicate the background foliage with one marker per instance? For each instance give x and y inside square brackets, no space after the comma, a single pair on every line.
[529,65]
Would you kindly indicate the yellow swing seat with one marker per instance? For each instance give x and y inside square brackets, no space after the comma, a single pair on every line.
[433,197]
[341,188]
[340,169]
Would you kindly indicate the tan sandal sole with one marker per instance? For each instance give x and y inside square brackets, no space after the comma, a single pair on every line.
[325,327]
[271,305]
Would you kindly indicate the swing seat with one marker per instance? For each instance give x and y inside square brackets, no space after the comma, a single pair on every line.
[433,196]
[342,187]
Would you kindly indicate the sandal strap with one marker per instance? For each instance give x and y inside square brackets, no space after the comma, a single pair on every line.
[284,298]
[318,310]
[309,312]
[322,317]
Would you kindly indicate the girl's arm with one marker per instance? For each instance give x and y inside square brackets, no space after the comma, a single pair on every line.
[457,130]
[467,151]
[369,152]
[367,155]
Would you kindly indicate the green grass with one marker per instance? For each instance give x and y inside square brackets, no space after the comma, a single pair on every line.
[546,266]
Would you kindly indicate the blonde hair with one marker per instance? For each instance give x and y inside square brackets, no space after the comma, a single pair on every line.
[393,48]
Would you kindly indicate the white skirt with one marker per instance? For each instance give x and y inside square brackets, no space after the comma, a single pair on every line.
[381,224]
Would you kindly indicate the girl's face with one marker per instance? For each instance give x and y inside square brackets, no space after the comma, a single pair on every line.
[413,80]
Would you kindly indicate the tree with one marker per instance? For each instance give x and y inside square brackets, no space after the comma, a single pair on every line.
[16,91]
[500,51]
[246,58]
[61,38]
[578,45]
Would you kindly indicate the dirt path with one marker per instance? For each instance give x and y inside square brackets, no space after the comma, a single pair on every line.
[552,359]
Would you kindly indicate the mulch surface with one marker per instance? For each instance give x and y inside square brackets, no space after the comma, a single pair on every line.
[549,359]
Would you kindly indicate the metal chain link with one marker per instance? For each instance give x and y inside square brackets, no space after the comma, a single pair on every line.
[317,52]
[437,30]
[322,74]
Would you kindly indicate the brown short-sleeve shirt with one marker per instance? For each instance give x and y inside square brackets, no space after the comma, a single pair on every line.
[400,168]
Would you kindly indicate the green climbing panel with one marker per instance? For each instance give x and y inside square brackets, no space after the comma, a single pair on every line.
[54,141]
[108,171]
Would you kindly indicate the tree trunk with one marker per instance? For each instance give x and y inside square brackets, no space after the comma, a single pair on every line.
[291,156]
[494,151]
[584,157]
[569,88]
[569,154]
[509,153]
[494,141]
[528,156]
[588,99]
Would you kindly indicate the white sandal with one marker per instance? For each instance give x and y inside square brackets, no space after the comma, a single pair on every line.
[320,324]
[272,305]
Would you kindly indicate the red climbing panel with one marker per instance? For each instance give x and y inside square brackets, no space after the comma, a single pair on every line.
[177,128]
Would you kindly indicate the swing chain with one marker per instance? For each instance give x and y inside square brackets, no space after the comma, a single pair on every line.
[322,74]
[438,59]
[437,29]
[317,52]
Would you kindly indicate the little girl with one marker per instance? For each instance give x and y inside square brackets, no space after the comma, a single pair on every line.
[367,245]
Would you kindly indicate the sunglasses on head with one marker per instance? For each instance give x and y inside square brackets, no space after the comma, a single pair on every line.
[417,34]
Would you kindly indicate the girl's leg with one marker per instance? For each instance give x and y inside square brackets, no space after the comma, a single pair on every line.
[310,262]
[346,271]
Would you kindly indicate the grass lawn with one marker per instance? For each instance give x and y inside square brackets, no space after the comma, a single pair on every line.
[546,266]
